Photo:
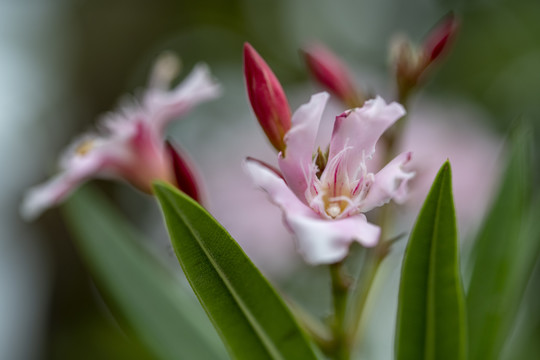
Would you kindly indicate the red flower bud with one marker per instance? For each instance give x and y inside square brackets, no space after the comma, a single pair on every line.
[329,71]
[185,173]
[267,97]
[440,37]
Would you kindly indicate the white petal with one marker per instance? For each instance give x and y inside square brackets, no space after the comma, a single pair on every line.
[359,129]
[275,186]
[54,191]
[389,183]
[323,241]
[296,164]
[163,107]
[88,157]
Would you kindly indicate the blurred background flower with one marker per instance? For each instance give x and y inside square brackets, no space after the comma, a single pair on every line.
[65,62]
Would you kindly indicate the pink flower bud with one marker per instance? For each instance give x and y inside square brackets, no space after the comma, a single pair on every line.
[185,173]
[329,71]
[440,37]
[267,97]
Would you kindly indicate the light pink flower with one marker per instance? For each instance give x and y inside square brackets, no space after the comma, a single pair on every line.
[128,144]
[324,207]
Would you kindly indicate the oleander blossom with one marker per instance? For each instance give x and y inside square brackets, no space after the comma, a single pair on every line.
[324,197]
[128,144]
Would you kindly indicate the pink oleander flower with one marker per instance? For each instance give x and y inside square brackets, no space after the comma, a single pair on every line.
[128,144]
[324,197]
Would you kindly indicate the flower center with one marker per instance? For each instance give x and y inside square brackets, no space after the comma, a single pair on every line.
[333,210]
[335,202]
[85,147]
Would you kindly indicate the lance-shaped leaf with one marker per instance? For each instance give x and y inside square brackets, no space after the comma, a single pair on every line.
[146,295]
[504,254]
[251,318]
[431,309]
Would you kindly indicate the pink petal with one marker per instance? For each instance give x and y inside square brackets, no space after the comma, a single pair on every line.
[389,183]
[296,163]
[280,194]
[162,107]
[89,156]
[359,129]
[187,176]
[327,241]
[54,191]
[320,241]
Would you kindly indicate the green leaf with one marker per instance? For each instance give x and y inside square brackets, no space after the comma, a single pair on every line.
[251,318]
[431,309]
[503,255]
[152,302]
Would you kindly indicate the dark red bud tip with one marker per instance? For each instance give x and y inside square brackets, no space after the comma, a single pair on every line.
[267,97]
[185,173]
[330,72]
[440,37]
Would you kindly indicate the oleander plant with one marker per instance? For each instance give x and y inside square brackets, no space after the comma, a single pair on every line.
[343,179]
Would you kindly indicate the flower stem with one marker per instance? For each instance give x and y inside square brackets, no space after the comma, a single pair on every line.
[340,292]
[366,280]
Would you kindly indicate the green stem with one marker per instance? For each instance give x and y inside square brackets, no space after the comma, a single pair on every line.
[366,280]
[340,292]
[318,332]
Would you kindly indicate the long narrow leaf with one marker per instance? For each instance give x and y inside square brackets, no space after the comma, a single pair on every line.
[503,256]
[431,309]
[165,317]
[251,318]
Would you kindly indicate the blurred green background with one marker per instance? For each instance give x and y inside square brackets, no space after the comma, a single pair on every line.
[63,63]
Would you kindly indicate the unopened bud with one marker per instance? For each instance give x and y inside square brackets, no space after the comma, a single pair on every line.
[166,68]
[185,173]
[440,37]
[408,64]
[267,98]
[411,62]
[329,71]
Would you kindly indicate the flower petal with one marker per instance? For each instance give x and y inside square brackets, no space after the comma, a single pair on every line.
[89,156]
[361,128]
[270,181]
[187,175]
[54,191]
[162,107]
[389,183]
[296,163]
[320,241]
[327,241]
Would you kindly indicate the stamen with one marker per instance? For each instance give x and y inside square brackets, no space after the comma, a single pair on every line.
[85,147]
[333,210]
